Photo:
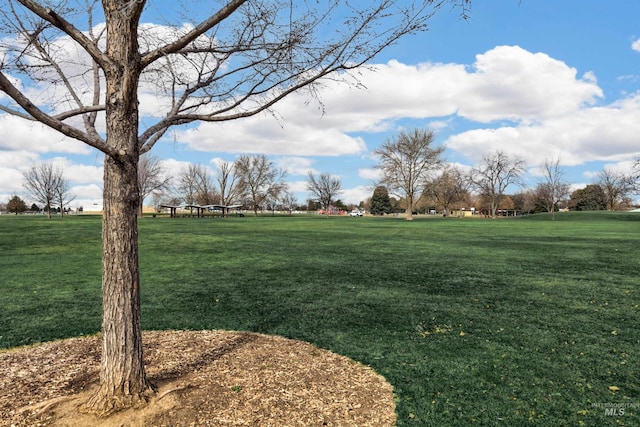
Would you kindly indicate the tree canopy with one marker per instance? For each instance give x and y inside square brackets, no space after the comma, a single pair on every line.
[494,175]
[407,163]
[16,205]
[324,188]
[46,184]
[589,198]
[380,201]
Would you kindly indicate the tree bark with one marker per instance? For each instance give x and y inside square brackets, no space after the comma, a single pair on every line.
[409,207]
[123,381]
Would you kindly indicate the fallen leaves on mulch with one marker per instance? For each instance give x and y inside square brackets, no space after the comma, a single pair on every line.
[214,378]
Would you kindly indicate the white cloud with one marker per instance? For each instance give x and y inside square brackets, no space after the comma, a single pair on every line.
[298,187]
[529,104]
[175,168]
[23,135]
[356,194]
[394,90]
[437,125]
[597,133]
[511,83]
[370,174]
[18,159]
[636,45]
[91,192]
[10,181]
[296,165]
[79,173]
[591,175]
[263,134]
[505,83]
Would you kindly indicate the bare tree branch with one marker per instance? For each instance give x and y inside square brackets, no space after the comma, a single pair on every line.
[66,27]
[492,177]
[407,162]
[203,27]
[7,87]
[258,179]
[324,188]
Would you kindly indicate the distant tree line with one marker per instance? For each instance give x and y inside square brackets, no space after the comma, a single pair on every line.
[415,179]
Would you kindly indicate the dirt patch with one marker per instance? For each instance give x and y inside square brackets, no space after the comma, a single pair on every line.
[213,378]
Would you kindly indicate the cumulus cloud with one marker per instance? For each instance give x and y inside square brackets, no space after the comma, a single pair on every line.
[19,134]
[175,168]
[356,194]
[511,83]
[636,45]
[89,197]
[263,134]
[91,192]
[525,103]
[298,187]
[370,174]
[296,165]
[10,181]
[505,83]
[597,133]
[18,159]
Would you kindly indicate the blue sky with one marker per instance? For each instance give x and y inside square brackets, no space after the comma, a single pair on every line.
[537,79]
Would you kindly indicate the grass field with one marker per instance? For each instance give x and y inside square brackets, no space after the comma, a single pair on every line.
[494,322]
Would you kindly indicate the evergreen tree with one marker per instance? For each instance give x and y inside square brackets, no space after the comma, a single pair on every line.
[380,201]
[590,198]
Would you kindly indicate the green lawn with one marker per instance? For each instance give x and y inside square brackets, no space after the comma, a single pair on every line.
[494,322]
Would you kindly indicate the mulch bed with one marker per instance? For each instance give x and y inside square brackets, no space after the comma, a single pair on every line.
[215,378]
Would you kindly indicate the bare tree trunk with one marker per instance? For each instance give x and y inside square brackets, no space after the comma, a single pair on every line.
[123,380]
[409,207]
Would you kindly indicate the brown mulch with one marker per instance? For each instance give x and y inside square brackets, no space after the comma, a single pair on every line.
[204,378]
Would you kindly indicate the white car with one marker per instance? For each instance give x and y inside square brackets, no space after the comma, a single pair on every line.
[355,212]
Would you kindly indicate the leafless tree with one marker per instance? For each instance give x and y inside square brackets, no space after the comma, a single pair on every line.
[258,179]
[323,188]
[43,182]
[196,185]
[64,196]
[152,178]
[206,191]
[188,183]
[289,200]
[227,183]
[616,186]
[552,188]
[408,162]
[495,173]
[448,189]
[85,80]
